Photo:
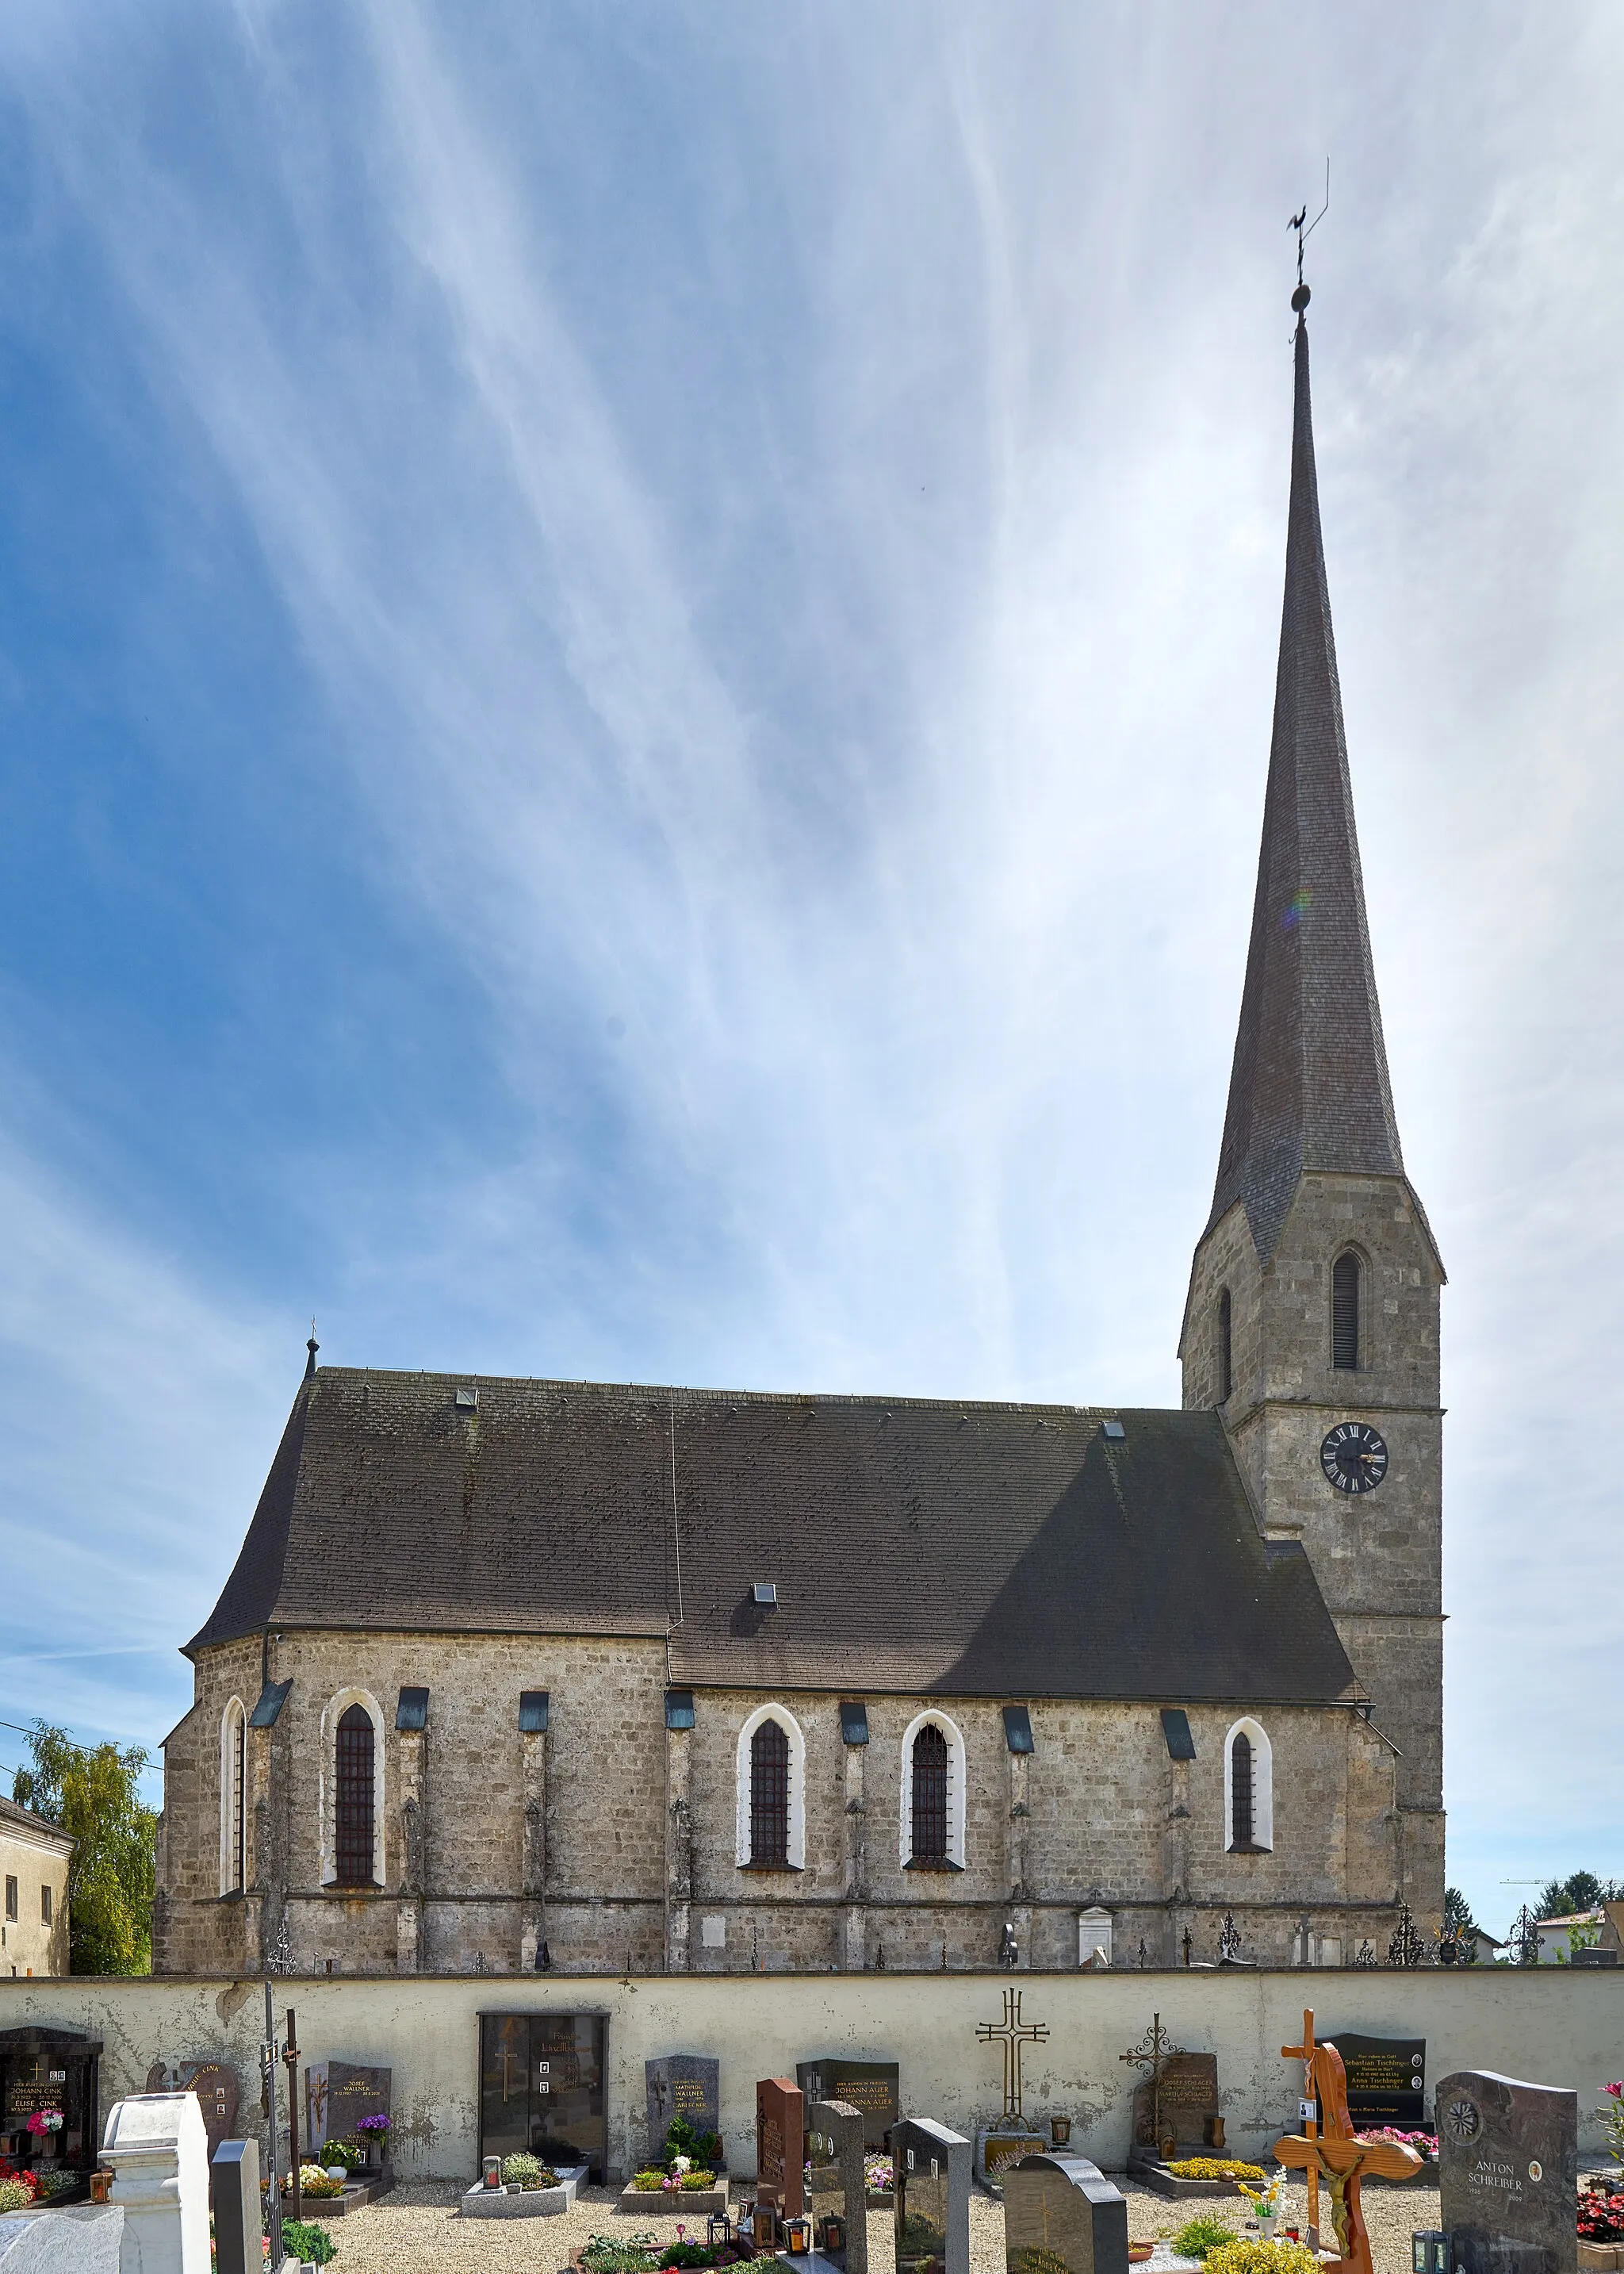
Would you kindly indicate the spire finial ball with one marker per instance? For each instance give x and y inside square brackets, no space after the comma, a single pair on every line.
[1301,298]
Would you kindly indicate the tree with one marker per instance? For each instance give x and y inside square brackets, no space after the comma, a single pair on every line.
[1582,1891]
[91,1791]
[1460,1927]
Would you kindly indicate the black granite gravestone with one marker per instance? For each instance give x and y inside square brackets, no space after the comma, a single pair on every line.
[930,2197]
[234,2199]
[873,2087]
[44,2069]
[1062,2216]
[688,2085]
[1186,2103]
[1508,2174]
[837,2191]
[1386,2079]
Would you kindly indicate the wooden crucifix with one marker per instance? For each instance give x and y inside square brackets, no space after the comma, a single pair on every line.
[1338,2155]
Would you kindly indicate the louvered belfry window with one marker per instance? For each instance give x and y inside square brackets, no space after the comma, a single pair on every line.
[931,1795]
[1345,1312]
[1225,1373]
[355,1797]
[1240,1791]
[239,1803]
[769,1795]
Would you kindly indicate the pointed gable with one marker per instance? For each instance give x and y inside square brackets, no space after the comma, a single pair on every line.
[1309,1088]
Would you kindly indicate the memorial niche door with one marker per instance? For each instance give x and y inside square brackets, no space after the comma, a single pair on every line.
[541,2088]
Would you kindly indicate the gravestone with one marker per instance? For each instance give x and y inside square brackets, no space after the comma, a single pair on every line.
[780,2134]
[1387,2080]
[41,2067]
[218,2088]
[930,2208]
[1188,2102]
[836,2189]
[337,2095]
[1508,2174]
[873,2087]
[234,2198]
[681,2084]
[1062,2216]
[999,2145]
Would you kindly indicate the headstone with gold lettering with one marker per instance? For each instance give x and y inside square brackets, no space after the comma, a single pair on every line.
[218,2089]
[337,2095]
[873,2087]
[1509,2174]
[686,2085]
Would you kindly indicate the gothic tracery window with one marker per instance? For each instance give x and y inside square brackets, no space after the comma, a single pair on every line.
[1240,1791]
[234,1799]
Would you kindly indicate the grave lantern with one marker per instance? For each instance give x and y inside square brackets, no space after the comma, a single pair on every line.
[1429,2249]
[718,2229]
[763,2226]
[797,2236]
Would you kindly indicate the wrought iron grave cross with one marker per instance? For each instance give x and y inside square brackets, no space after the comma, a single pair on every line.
[1012,2032]
[1153,2052]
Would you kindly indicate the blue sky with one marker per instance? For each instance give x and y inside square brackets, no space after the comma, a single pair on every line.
[636,651]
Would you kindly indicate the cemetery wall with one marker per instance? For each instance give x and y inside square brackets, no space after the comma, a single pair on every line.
[1546,2025]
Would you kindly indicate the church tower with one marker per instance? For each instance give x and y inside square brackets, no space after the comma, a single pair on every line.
[1312,1318]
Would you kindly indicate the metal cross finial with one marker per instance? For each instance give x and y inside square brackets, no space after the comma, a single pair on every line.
[1306,228]
[1012,2032]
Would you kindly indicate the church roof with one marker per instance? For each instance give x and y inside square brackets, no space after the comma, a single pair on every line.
[915,1544]
[1309,1088]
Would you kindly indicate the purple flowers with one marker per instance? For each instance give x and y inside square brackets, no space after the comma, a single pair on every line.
[373,2123]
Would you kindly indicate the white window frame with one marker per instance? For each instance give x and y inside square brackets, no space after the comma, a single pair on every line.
[234,1719]
[327,1796]
[956,1787]
[1262,1784]
[796,1849]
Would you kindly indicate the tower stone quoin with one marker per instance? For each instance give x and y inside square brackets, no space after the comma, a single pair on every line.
[1285,1344]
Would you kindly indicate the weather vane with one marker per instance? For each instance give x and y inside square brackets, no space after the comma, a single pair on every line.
[1306,228]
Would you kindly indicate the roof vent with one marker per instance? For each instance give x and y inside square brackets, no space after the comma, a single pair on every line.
[467,1399]
[1113,1429]
[764,1591]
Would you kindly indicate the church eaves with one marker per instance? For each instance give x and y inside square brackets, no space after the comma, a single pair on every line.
[1309,1089]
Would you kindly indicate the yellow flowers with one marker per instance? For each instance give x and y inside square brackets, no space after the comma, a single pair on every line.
[1215,2167]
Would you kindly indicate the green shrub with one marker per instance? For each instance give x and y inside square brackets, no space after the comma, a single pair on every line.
[649,2183]
[1251,2255]
[349,2153]
[1202,2235]
[620,2254]
[14,2195]
[701,2149]
[698,2180]
[306,2242]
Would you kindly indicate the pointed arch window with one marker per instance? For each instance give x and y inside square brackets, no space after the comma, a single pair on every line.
[930,1797]
[354,1784]
[1248,1791]
[1345,1313]
[932,1827]
[770,1797]
[234,1799]
[1226,1375]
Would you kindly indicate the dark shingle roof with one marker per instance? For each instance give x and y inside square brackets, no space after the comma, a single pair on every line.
[1309,1087]
[973,1549]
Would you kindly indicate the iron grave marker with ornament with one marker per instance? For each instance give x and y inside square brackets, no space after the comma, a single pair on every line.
[873,2087]
[930,2197]
[1062,2216]
[1509,2174]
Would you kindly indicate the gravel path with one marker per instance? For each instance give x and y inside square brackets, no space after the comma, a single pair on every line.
[416,2230]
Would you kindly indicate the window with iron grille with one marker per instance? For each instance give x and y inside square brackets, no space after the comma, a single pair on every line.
[1240,1791]
[769,1795]
[1345,1312]
[355,1798]
[1225,1375]
[931,1795]
[239,1821]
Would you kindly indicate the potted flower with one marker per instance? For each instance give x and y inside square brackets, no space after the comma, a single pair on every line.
[373,2132]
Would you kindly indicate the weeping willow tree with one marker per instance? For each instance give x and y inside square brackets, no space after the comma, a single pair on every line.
[93,1793]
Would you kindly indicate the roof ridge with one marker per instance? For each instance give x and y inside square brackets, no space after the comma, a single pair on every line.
[755,1397]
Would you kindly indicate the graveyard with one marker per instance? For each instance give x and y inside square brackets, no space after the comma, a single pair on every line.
[1365,2122]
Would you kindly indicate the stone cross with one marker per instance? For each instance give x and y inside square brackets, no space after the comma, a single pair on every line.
[1338,2157]
[1012,2033]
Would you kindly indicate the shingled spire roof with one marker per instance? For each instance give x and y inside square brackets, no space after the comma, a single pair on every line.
[1309,1087]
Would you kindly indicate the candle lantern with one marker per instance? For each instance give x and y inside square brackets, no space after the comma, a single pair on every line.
[764,2226]
[832,2235]
[718,2229]
[797,2236]
[1059,2130]
[1430,2251]
[492,2169]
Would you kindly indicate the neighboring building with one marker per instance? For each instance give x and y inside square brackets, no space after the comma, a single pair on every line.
[512,1672]
[33,1923]
[1484,1947]
[1601,1928]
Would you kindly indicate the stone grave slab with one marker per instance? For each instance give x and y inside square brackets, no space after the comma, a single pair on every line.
[930,2209]
[688,2085]
[337,2095]
[780,2136]
[1387,2080]
[1188,2103]
[1509,2174]
[873,2087]
[1062,2216]
[217,2085]
[837,2191]
[1000,2144]
[86,2238]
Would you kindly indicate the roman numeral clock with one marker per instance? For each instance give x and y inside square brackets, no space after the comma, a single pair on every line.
[1354,1457]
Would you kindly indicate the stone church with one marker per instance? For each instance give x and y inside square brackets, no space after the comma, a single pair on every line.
[517,1674]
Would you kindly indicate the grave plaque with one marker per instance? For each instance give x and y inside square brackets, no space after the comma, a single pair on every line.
[42,2068]
[1508,2174]
[930,2197]
[337,2095]
[873,2087]
[836,2186]
[780,2145]
[1003,2144]
[1188,2101]
[681,2084]
[1387,2080]
[1062,2216]
[218,2089]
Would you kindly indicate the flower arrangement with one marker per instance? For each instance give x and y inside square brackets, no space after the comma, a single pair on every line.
[1612,2116]
[650,2182]
[527,2172]
[44,2121]
[1245,2256]
[346,2152]
[1215,2167]
[879,2174]
[15,2194]
[1267,2200]
[1423,2143]
[314,2182]
[1601,2216]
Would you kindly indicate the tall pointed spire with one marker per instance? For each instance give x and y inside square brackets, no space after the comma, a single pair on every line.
[1309,1088]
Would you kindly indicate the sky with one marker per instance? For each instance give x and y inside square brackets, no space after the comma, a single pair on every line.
[635,656]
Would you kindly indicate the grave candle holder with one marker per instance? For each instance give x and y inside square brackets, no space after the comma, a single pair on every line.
[491,2170]
[797,2236]
[1059,2131]
[718,2229]
[1429,2249]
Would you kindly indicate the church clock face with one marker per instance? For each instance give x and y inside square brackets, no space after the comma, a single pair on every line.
[1354,1457]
